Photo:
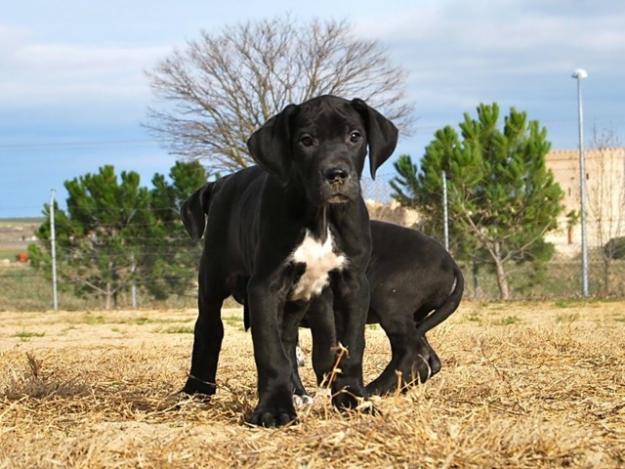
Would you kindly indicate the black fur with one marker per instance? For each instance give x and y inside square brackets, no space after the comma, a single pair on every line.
[310,160]
[415,284]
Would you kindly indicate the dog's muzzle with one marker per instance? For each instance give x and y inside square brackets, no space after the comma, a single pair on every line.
[337,185]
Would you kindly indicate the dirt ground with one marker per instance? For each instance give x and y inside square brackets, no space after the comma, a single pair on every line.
[538,384]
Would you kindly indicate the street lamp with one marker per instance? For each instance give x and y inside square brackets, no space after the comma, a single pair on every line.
[580,74]
[445,216]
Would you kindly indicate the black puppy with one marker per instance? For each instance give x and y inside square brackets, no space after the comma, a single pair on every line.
[294,227]
[415,285]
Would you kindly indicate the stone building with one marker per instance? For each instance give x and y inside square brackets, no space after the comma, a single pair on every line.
[605,183]
[392,212]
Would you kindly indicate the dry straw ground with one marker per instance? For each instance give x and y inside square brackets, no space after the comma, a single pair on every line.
[522,385]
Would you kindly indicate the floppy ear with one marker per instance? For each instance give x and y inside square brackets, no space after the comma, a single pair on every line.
[381,135]
[270,145]
[194,210]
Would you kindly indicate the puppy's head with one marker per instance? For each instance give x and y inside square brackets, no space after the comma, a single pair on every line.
[321,145]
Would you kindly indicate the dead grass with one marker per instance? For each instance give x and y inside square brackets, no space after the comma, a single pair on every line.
[546,389]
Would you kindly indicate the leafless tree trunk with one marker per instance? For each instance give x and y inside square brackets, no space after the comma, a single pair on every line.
[493,246]
[502,277]
[106,286]
[211,95]
[474,272]
[108,296]
[606,196]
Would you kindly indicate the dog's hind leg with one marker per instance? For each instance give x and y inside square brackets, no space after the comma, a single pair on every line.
[388,380]
[410,360]
[208,333]
[433,360]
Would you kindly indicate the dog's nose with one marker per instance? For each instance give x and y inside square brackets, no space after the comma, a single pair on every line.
[335,175]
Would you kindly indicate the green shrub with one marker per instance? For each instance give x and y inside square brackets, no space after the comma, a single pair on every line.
[615,248]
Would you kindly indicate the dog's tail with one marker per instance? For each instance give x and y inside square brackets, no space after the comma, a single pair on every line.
[447,308]
[195,208]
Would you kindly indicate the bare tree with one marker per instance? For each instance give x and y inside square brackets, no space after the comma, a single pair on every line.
[606,196]
[215,92]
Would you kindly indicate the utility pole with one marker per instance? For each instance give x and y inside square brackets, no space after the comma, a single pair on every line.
[579,75]
[445,218]
[55,298]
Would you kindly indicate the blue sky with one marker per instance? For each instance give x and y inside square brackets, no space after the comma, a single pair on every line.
[73,92]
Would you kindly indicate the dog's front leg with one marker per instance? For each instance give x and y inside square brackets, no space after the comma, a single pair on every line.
[291,320]
[320,318]
[351,304]
[275,401]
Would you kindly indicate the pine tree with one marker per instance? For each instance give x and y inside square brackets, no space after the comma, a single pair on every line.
[502,197]
[115,233]
[98,234]
[169,265]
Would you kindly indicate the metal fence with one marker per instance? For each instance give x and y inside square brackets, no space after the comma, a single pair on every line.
[23,288]
[557,279]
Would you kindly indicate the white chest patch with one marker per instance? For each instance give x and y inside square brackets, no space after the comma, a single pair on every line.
[320,259]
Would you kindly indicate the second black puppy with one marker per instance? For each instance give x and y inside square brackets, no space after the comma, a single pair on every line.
[293,227]
[415,285]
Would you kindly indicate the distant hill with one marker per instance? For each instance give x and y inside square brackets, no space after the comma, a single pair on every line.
[25,220]
[16,234]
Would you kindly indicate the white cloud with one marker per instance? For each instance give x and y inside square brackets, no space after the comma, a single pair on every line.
[35,74]
[498,34]
[459,53]
[10,36]
[69,56]
[515,52]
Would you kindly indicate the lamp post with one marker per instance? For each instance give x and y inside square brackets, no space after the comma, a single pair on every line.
[445,216]
[55,295]
[580,74]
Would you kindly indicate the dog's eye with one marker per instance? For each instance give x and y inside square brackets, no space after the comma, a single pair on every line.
[354,136]
[306,140]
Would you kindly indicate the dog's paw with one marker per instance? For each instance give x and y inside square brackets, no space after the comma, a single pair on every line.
[347,400]
[266,416]
[377,388]
[435,364]
[344,401]
[413,374]
[195,386]
[302,401]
